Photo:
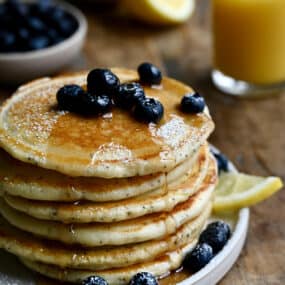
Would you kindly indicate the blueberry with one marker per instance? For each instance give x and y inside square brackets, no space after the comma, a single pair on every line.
[35,24]
[16,8]
[39,42]
[193,103]
[67,26]
[128,95]
[23,33]
[94,280]
[43,6]
[7,41]
[102,81]
[69,97]
[95,104]
[41,9]
[149,74]
[57,14]
[143,278]
[216,235]
[222,161]
[200,256]
[54,36]
[2,11]
[23,38]
[149,110]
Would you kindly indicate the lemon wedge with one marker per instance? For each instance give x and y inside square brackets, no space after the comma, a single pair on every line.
[160,11]
[237,190]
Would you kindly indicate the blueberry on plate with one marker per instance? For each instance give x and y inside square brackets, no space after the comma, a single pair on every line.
[216,235]
[222,161]
[193,103]
[149,74]
[102,81]
[94,280]
[95,104]
[200,256]
[69,97]
[128,95]
[149,110]
[143,278]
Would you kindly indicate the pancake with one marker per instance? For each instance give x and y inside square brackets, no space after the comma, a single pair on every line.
[28,246]
[86,212]
[120,276]
[137,230]
[34,131]
[35,183]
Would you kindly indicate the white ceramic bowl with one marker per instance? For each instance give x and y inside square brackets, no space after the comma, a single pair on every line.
[20,67]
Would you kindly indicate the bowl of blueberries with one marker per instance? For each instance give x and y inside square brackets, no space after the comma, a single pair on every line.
[38,38]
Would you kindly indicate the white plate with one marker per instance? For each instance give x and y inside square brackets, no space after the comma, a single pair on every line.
[12,272]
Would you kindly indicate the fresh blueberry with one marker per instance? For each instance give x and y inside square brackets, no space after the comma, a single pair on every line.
[193,103]
[23,33]
[16,8]
[149,110]
[216,235]
[2,11]
[67,26]
[94,280]
[57,14]
[128,95]
[200,256]
[54,36]
[222,161]
[35,24]
[23,37]
[143,278]
[102,81]
[95,104]
[39,42]
[43,6]
[69,97]
[149,74]
[7,41]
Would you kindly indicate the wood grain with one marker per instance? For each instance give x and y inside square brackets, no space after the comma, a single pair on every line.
[250,132]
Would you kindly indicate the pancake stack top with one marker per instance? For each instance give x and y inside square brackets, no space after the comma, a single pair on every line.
[106,195]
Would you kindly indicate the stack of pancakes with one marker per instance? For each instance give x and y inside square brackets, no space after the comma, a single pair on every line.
[106,195]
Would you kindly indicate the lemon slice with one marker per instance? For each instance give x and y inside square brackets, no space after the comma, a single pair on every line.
[237,190]
[161,11]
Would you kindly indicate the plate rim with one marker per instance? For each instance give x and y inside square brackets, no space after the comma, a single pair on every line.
[216,269]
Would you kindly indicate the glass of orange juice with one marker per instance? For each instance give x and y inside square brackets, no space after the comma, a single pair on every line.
[248,46]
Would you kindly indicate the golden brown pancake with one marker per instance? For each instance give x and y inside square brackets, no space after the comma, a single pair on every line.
[161,200]
[38,249]
[104,195]
[33,130]
[35,183]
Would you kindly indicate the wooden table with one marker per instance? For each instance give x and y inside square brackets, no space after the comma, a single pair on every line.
[249,132]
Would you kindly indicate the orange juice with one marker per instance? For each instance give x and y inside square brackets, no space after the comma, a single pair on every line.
[249,39]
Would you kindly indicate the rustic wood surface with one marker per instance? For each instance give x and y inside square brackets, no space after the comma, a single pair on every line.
[249,132]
